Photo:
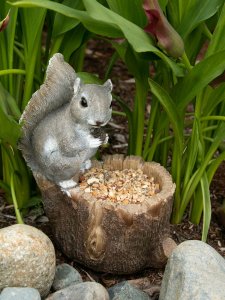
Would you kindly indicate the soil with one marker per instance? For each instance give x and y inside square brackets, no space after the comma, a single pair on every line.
[97,58]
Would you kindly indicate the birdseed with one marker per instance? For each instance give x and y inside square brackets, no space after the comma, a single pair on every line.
[124,187]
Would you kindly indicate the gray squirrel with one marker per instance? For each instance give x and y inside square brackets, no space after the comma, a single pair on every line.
[62,124]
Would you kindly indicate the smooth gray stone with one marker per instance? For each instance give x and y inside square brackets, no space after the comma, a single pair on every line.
[20,293]
[65,275]
[81,291]
[194,271]
[125,291]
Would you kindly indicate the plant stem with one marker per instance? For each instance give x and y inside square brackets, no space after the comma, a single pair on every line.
[218,118]
[119,113]
[141,94]
[17,211]
[12,71]
[154,108]
[186,61]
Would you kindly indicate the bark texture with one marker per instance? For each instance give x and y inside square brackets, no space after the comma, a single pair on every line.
[111,237]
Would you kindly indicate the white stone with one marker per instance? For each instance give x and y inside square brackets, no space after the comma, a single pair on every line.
[27,258]
[92,180]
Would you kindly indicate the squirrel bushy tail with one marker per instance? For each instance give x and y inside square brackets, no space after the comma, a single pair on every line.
[56,91]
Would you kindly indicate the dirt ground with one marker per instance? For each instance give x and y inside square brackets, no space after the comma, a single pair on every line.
[97,58]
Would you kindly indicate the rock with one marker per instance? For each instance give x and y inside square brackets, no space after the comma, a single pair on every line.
[124,290]
[65,275]
[194,271]
[27,258]
[20,293]
[84,291]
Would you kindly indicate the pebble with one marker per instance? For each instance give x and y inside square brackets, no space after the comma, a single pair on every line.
[65,275]
[125,290]
[194,271]
[81,291]
[92,180]
[20,293]
[27,258]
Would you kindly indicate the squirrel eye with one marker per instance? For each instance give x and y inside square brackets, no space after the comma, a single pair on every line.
[83,102]
[110,106]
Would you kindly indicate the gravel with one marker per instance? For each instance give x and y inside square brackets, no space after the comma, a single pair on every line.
[126,186]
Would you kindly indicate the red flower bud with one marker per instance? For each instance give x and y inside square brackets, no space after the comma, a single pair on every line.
[160,28]
[4,22]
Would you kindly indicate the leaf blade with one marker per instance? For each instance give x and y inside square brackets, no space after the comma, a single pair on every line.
[198,77]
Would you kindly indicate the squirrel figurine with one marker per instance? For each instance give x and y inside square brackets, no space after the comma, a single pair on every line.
[62,124]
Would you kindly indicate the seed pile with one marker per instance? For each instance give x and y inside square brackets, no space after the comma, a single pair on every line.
[126,186]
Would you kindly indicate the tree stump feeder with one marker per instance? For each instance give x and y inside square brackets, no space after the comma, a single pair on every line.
[113,237]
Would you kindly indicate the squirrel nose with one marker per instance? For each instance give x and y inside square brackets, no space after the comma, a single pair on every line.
[99,123]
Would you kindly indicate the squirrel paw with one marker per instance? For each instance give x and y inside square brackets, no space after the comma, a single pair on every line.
[94,142]
[86,165]
[66,185]
[66,192]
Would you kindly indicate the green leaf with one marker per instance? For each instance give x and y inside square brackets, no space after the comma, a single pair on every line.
[198,78]
[133,12]
[218,41]
[72,41]
[214,165]
[192,152]
[169,106]
[196,208]
[163,4]
[8,103]
[62,23]
[102,28]
[32,20]
[174,9]
[89,78]
[138,39]
[103,21]
[196,177]
[9,128]
[196,11]
[193,44]
[177,124]
[206,206]
[214,97]
[161,124]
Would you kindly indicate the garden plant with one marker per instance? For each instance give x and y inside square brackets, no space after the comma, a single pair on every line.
[175,50]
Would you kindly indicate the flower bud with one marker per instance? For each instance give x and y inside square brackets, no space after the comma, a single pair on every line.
[160,28]
[4,22]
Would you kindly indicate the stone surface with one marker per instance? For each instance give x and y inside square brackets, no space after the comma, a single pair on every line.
[81,291]
[20,293]
[27,258]
[124,290]
[65,275]
[194,271]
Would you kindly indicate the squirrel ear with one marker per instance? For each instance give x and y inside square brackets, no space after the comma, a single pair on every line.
[108,85]
[76,86]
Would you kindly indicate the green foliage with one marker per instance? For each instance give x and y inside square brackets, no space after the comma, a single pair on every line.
[186,122]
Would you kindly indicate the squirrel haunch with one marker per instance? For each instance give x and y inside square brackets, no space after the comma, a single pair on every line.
[62,124]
